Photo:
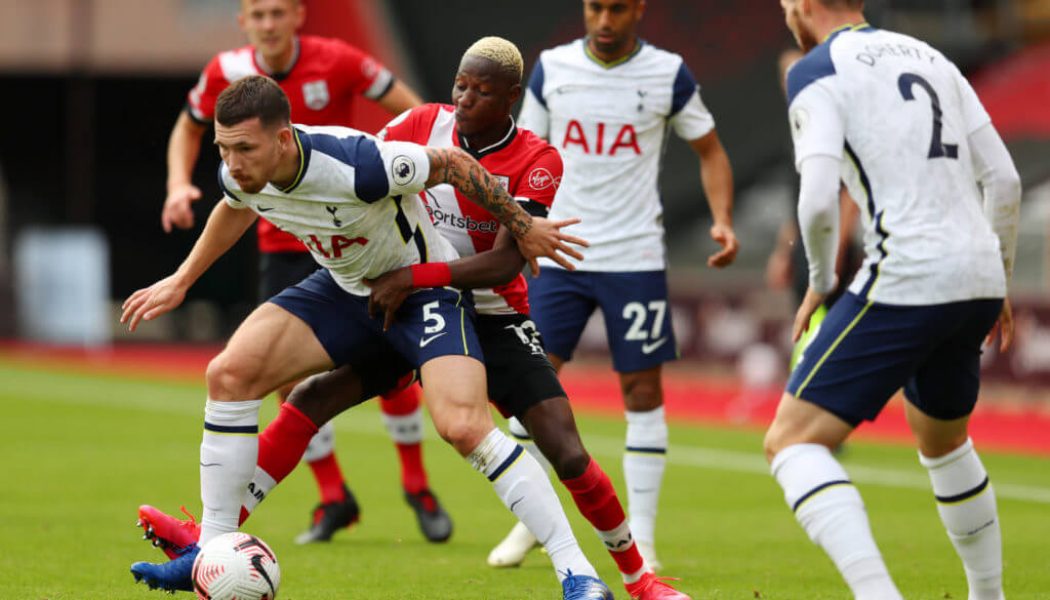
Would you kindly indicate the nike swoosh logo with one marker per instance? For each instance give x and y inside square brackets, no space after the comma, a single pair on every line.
[265,209]
[211,464]
[423,342]
[515,503]
[648,348]
[644,490]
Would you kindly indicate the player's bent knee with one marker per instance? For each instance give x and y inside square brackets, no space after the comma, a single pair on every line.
[773,443]
[569,463]
[642,391]
[231,378]
[465,435]
[321,399]
[936,447]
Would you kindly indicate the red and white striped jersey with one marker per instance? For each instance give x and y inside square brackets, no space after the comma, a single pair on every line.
[528,167]
[325,78]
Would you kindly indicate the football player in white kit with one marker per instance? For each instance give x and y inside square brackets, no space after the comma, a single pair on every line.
[606,103]
[939,195]
[352,200]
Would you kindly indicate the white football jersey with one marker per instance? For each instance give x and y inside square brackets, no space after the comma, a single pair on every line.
[899,114]
[354,204]
[609,122]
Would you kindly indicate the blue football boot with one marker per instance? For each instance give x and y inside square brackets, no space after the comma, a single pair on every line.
[174,575]
[584,587]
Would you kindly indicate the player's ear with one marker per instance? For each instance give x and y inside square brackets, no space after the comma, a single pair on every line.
[514,94]
[300,13]
[284,136]
[639,10]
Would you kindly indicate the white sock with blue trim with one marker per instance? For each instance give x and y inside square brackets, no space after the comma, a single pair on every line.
[644,463]
[526,490]
[966,503]
[229,451]
[832,513]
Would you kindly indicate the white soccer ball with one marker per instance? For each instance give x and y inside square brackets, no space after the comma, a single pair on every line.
[236,566]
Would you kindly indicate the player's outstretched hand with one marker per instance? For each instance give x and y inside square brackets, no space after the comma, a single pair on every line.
[723,234]
[810,304]
[545,238]
[389,290]
[1004,327]
[177,207]
[152,302]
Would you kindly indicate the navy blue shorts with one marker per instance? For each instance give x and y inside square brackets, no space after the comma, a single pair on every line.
[431,323]
[637,314]
[865,352]
[518,373]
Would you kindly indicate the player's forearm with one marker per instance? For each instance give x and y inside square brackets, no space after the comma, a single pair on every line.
[495,267]
[818,218]
[716,176]
[224,227]
[1002,190]
[491,268]
[458,169]
[184,147]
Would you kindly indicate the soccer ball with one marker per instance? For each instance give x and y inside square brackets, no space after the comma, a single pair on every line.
[236,566]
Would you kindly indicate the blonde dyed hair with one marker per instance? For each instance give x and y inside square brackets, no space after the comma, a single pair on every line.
[500,51]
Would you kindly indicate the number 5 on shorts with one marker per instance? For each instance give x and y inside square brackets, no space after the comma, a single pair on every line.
[433,321]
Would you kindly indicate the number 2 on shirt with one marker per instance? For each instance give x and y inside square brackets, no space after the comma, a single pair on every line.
[938,149]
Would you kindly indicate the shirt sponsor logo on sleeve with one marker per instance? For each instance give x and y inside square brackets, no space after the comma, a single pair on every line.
[369,68]
[541,179]
[315,94]
[403,170]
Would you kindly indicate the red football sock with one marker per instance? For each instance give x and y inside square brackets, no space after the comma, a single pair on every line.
[284,441]
[596,498]
[329,478]
[282,445]
[397,405]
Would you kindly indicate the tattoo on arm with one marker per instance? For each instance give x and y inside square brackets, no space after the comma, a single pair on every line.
[458,169]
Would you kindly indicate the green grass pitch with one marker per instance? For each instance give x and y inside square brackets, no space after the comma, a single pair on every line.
[80,452]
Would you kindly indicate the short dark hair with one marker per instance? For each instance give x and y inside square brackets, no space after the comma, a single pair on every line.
[252,97]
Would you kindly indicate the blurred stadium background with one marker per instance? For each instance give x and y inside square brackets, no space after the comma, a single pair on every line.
[93,87]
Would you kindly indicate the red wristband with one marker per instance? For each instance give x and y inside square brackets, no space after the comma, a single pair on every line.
[428,275]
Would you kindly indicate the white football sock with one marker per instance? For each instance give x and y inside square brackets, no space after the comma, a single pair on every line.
[229,450]
[643,469]
[526,490]
[322,445]
[966,503]
[521,435]
[405,429]
[831,511]
[258,489]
